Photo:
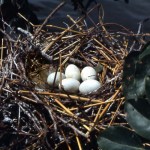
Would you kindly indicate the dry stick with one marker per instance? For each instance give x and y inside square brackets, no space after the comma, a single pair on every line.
[119,25]
[31,117]
[106,32]
[8,37]
[84,57]
[103,75]
[60,104]
[69,112]
[110,52]
[60,68]
[71,36]
[68,29]
[96,104]
[49,16]
[92,19]
[53,42]
[30,100]
[62,112]
[114,116]
[98,42]
[27,33]
[63,95]
[78,141]
[77,61]
[69,46]
[102,63]
[64,56]
[104,54]
[73,127]
[2,81]
[2,50]
[96,118]
[58,145]
[25,19]
[18,122]
[67,143]
[87,106]
[73,51]
[74,22]
[132,46]
[147,144]
[36,97]
[102,113]
[107,106]
[100,20]
[134,34]
[105,109]
[71,30]
[52,117]
[112,99]
[117,68]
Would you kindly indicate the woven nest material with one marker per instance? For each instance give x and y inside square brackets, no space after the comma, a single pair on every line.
[35,115]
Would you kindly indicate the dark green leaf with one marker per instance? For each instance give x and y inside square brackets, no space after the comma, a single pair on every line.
[129,75]
[139,86]
[136,68]
[99,68]
[147,87]
[119,138]
[138,116]
[145,52]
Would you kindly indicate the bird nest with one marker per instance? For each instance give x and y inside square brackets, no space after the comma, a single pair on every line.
[35,115]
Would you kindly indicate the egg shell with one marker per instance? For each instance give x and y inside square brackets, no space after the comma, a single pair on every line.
[89,86]
[72,71]
[70,85]
[88,73]
[51,77]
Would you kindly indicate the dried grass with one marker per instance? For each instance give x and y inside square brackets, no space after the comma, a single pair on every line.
[33,115]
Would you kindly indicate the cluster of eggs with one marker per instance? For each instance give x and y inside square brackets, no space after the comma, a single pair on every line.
[70,81]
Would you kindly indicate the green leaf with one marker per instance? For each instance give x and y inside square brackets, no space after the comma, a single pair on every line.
[138,116]
[119,138]
[147,87]
[145,52]
[139,86]
[128,79]
[136,68]
[99,68]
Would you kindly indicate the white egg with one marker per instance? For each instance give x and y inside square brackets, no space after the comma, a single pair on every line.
[89,86]
[51,78]
[70,85]
[88,73]
[72,71]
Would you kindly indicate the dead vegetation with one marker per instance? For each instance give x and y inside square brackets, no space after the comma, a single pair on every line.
[36,116]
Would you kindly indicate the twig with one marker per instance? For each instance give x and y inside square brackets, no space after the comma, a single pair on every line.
[73,127]
[49,16]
